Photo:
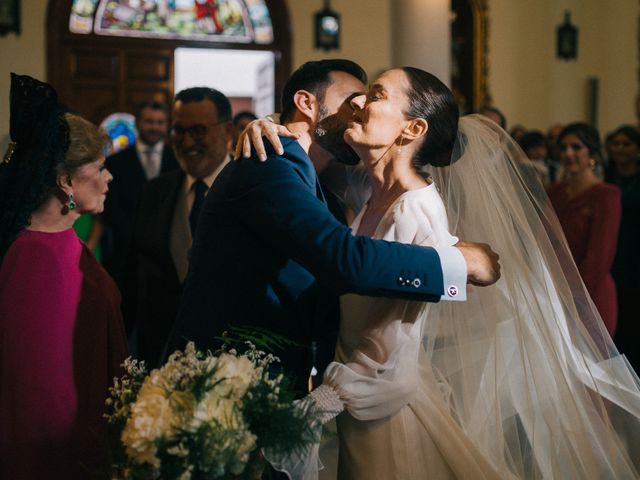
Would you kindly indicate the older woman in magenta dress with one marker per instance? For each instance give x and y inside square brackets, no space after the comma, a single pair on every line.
[61,333]
[589,211]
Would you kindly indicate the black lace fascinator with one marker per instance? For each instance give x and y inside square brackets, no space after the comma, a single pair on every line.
[39,142]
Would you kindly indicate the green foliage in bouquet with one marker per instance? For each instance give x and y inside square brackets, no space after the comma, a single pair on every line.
[204,416]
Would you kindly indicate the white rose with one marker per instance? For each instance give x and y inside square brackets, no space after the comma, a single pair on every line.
[151,418]
[238,373]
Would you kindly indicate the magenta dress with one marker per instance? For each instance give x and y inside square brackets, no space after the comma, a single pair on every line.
[61,343]
[591,221]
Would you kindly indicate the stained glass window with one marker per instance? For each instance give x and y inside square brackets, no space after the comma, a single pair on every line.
[81,20]
[238,21]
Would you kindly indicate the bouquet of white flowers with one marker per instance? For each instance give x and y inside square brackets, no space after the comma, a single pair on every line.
[202,416]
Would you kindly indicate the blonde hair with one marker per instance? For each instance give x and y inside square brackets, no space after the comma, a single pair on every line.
[86,143]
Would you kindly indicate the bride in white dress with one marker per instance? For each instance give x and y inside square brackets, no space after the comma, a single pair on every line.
[522,380]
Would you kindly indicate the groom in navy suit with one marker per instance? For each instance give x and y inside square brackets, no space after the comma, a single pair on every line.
[268,252]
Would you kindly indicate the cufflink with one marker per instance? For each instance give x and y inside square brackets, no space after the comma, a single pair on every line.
[452,291]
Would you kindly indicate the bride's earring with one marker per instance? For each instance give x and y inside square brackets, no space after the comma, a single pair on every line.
[400,146]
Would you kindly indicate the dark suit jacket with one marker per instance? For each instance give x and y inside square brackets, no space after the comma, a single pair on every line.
[267,251]
[119,207]
[152,285]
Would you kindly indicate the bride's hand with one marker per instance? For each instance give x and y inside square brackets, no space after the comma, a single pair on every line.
[483,267]
[252,136]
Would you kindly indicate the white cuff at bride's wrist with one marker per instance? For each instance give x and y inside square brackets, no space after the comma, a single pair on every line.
[328,401]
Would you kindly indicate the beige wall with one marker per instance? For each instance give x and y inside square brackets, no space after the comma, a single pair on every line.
[366,32]
[422,36]
[526,80]
[24,54]
[536,89]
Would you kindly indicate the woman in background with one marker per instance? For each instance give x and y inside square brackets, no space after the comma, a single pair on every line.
[61,332]
[625,173]
[589,211]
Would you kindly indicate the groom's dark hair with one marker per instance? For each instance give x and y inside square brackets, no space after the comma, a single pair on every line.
[314,77]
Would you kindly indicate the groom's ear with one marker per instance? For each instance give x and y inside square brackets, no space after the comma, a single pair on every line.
[306,103]
[418,127]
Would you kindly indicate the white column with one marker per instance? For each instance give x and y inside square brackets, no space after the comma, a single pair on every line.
[421,36]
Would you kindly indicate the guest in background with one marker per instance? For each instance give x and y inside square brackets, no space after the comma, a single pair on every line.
[494,114]
[240,121]
[131,168]
[553,152]
[608,141]
[517,132]
[623,150]
[61,333]
[167,214]
[589,212]
[625,173]
[534,145]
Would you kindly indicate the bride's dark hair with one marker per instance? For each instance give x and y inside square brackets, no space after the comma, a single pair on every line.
[432,100]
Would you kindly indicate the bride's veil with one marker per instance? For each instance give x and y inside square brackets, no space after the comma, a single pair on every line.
[526,367]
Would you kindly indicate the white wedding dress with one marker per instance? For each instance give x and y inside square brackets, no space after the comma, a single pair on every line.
[395,428]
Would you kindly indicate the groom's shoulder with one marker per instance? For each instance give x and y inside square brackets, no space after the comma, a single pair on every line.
[293,152]
[294,158]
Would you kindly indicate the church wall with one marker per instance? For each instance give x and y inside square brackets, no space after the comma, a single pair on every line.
[365,38]
[536,89]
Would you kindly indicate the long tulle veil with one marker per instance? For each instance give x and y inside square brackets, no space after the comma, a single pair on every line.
[526,367]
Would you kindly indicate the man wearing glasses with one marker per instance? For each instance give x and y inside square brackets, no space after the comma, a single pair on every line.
[167,215]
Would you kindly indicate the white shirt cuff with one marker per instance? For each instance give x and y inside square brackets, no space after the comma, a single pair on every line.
[454,274]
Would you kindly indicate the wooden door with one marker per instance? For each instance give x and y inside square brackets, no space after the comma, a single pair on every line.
[98,75]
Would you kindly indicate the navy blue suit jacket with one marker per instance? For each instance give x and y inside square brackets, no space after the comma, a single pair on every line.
[267,253]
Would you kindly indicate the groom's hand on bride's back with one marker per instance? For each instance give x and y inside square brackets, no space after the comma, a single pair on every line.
[483,267]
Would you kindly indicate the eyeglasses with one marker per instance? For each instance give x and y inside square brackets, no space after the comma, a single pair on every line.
[196,132]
